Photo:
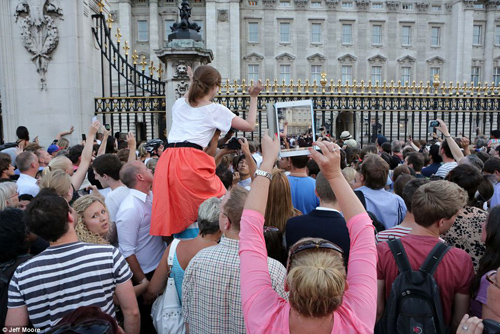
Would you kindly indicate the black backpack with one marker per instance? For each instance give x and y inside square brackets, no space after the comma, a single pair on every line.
[6,271]
[414,304]
[379,227]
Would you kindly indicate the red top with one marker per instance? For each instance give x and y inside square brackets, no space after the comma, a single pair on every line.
[453,275]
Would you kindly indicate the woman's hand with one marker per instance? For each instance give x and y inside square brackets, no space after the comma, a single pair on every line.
[270,150]
[94,128]
[254,90]
[470,325]
[329,161]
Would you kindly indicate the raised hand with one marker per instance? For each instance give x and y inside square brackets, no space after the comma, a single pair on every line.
[254,90]
[329,161]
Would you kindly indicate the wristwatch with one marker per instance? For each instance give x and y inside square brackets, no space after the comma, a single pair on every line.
[259,172]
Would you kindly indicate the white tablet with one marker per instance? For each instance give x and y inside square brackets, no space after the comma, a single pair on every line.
[295,121]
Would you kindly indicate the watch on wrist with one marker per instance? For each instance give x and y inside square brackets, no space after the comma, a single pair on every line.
[259,172]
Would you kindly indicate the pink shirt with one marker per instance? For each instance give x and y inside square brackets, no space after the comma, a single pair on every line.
[266,312]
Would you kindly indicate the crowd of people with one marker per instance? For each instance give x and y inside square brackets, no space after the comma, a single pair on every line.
[336,241]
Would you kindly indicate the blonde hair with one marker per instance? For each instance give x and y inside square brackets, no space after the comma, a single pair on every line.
[349,174]
[316,280]
[81,229]
[63,143]
[57,163]
[57,180]
[279,206]
[7,190]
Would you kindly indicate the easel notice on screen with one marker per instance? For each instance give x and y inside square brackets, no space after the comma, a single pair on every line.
[294,121]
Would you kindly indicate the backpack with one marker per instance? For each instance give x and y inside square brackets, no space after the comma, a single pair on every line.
[379,226]
[414,304]
[6,271]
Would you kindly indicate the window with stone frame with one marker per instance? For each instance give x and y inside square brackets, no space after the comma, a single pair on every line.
[285,73]
[316,33]
[434,71]
[253,32]
[405,75]
[168,31]
[253,73]
[376,75]
[316,73]
[346,74]
[497,35]
[142,31]
[285,32]
[377,34]
[477,34]
[475,75]
[347,33]
[406,35]
[435,36]
[496,76]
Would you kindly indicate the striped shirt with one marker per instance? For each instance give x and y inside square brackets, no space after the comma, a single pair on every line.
[63,278]
[211,298]
[393,233]
[445,169]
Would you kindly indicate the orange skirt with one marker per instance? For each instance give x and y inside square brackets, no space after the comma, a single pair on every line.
[184,178]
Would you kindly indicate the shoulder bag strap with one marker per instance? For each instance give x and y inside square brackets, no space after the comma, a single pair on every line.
[435,256]
[398,251]
[171,253]
[361,197]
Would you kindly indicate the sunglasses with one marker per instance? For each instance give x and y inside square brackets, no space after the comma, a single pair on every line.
[492,278]
[87,327]
[270,229]
[311,244]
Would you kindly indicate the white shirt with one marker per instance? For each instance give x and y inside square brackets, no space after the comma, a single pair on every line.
[113,199]
[258,158]
[27,185]
[133,222]
[198,125]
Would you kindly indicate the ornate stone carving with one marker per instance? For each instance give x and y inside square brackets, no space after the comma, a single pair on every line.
[363,4]
[39,33]
[347,58]
[115,16]
[448,6]
[377,59]
[222,15]
[332,3]
[269,3]
[469,3]
[392,6]
[181,89]
[181,67]
[422,6]
[407,60]
[285,57]
[301,3]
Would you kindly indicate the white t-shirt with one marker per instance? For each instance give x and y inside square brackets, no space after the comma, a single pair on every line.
[198,125]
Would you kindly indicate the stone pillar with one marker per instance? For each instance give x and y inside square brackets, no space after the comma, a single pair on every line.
[71,68]
[154,36]
[125,20]
[489,38]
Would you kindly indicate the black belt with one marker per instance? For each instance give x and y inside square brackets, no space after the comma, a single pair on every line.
[186,144]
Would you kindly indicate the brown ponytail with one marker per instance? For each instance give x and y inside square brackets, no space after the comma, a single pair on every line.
[204,79]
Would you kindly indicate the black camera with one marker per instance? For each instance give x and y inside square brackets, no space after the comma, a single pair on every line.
[233,144]
[491,326]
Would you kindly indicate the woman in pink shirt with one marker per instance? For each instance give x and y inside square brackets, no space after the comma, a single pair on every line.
[322,299]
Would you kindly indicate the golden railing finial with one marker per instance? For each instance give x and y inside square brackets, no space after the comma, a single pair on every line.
[101,5]
[126,48]
[143,63]
[323,81]
[134,57]
[152,68]
[435,81]
[160,71]
[109,21]
[118,35]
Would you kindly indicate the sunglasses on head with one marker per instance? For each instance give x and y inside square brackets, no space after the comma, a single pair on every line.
[270,229]
[96,326]
[312,244]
